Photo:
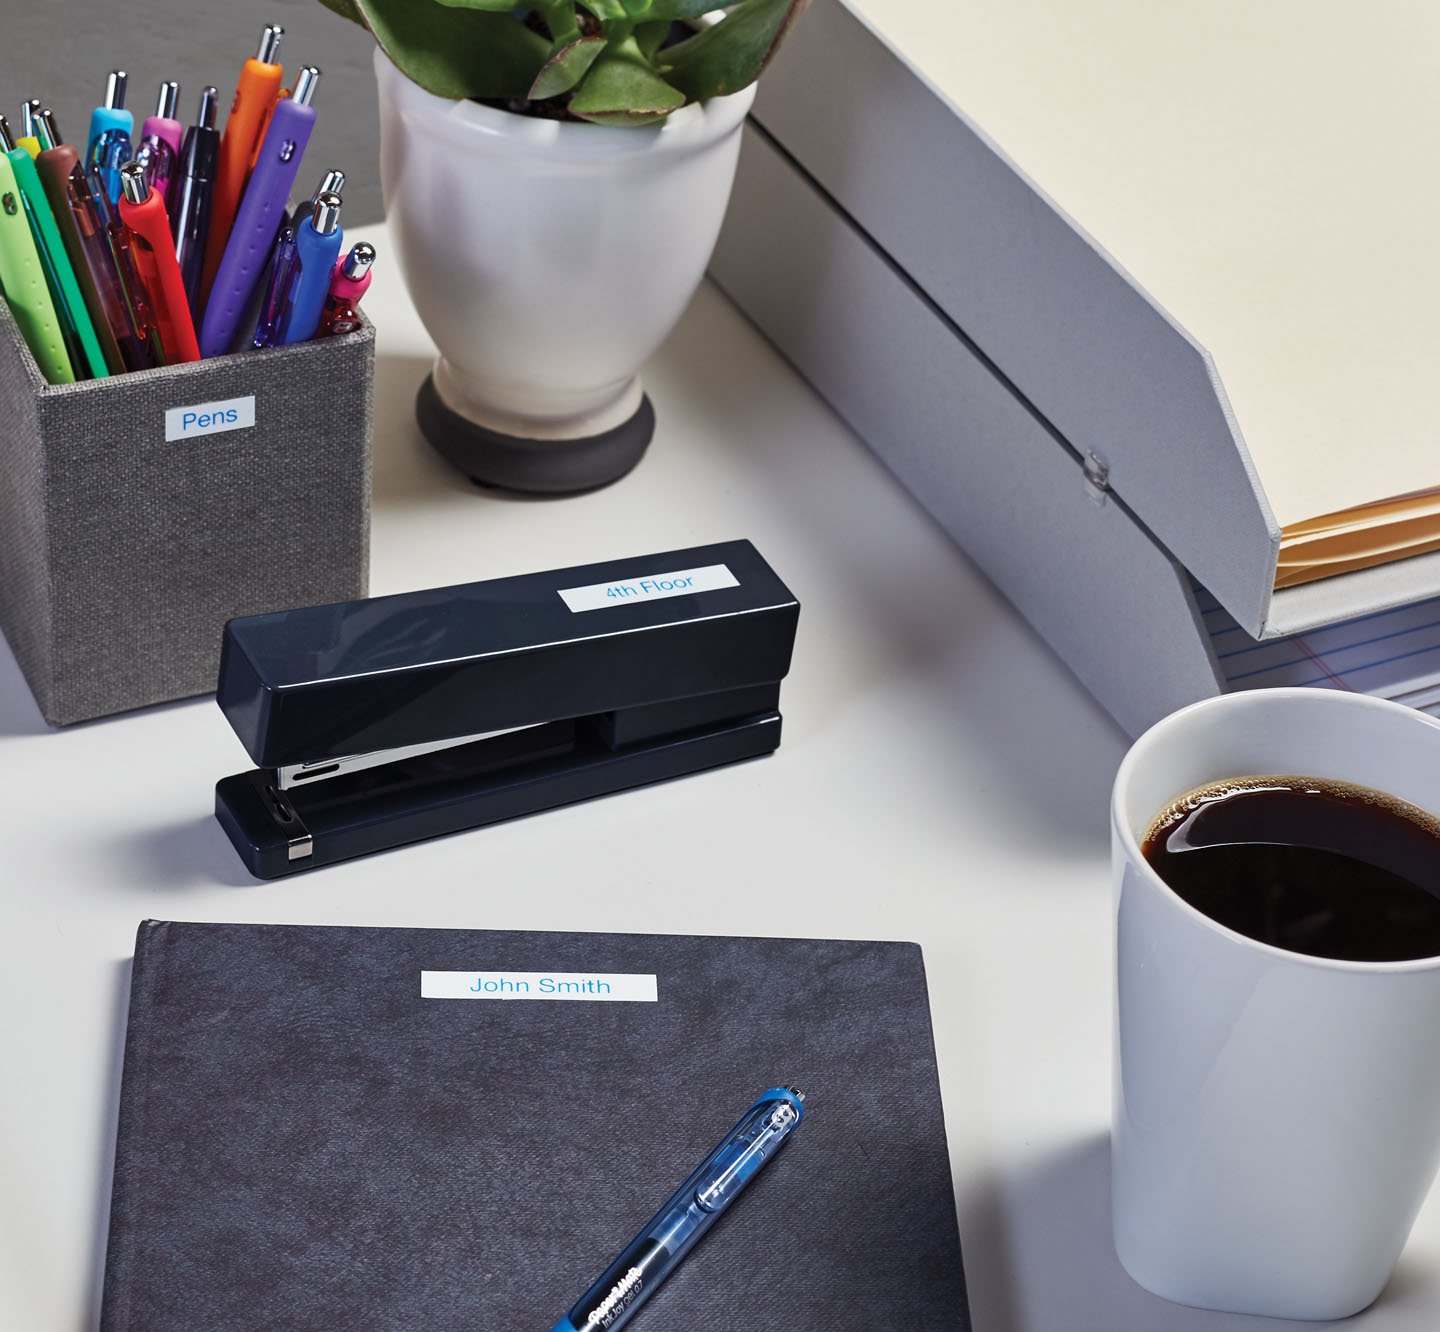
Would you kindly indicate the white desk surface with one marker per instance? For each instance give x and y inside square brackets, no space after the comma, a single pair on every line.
[942,778]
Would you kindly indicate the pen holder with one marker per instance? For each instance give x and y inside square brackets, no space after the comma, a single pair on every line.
[141,512]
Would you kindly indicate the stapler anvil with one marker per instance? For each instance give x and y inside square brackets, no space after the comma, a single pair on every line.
[389,720]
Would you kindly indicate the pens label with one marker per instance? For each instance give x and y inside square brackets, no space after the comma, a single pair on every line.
[209,418]
[596,987]
[650,587]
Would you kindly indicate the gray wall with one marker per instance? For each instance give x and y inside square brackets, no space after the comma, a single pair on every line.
[61,50]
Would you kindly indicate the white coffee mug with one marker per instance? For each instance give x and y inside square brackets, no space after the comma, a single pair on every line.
[1277,1116]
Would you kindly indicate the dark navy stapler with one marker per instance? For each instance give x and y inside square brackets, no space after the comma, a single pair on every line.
[380,722]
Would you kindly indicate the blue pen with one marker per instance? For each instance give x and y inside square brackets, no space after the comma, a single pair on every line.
[693,1208]
[110,128]
[317,251]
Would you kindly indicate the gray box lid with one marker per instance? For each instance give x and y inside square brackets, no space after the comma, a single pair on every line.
[1062,316]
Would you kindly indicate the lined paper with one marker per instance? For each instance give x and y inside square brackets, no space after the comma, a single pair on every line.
[1392,654]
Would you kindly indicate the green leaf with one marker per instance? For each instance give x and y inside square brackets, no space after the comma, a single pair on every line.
[457,52]
[649,36]
[346,9]
[623,90]
[560,20]
[489,6]
[731,54]
[566,67]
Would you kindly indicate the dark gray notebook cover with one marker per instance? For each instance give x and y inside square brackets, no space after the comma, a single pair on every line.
[305,1142]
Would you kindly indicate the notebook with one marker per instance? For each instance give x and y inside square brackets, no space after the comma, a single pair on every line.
[1287,227]
[402,1129]
[1392,654]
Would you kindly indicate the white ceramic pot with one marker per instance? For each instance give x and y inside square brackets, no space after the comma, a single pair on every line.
[549,259]
[1277,1115]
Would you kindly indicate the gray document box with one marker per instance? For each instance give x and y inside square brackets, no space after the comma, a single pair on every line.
[1064,430]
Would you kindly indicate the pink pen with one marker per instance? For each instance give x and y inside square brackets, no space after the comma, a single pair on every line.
[160,140]
[348,283]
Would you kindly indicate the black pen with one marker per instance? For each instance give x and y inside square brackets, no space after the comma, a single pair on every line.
[193,194]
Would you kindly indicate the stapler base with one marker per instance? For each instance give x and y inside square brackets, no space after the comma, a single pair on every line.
[280,832]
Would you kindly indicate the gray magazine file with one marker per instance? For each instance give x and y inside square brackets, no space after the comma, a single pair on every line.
[305,1141]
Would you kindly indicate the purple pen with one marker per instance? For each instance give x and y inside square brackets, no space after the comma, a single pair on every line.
[262,210]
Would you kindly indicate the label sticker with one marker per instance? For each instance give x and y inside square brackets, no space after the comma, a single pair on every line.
[209,418]
[650,587]
[598,987]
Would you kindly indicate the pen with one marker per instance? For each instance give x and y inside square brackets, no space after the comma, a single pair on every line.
[143,212]
[259,217]
[190,214]
[280,279]
[123,245]
[29,138]
[23,278]
[255,95]
[689,1212]
[110,128]
[317,250]
[160,142]
[86,356]
[69,197]
[332,182]
[348,284]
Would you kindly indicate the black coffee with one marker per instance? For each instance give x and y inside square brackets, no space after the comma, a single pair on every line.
[1306,864]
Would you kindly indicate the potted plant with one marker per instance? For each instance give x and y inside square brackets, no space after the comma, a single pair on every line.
[555,174]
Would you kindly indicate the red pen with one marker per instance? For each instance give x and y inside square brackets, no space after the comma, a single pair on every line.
[143,212]
[348,283]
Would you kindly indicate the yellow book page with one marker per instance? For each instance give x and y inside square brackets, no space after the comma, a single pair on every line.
[1266,170]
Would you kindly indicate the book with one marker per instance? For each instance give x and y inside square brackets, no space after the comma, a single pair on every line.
[397,1128]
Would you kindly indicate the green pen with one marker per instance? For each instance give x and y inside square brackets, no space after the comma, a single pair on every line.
[23,279]
[84,347]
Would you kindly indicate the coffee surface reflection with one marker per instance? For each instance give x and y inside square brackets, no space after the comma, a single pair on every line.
[1306,864]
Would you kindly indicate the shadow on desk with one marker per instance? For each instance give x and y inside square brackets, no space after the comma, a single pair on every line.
[186,854]
[983,683]
[1040,1258]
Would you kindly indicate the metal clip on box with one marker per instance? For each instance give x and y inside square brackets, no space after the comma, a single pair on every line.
[381,722]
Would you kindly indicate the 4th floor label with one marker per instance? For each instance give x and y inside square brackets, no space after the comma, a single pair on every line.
[648,587]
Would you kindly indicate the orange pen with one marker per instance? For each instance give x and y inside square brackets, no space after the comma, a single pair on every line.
[255,96]
[142,210]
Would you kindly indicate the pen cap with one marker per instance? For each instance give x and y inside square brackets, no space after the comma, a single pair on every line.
[111,114]
[357,264]
[305,84]
[269,47]
[209,102]
[325,216]
[167,100]
[30,118]
[133,183]
[7,140]
[50,129]
[757,1137]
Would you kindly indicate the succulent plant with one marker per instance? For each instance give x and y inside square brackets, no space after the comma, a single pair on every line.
[614,62]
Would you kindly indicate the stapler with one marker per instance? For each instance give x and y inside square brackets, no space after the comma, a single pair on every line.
[385,721]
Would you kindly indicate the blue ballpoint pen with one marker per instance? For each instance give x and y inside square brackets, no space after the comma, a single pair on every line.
[693,1208]
[317,250]
[110,128]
